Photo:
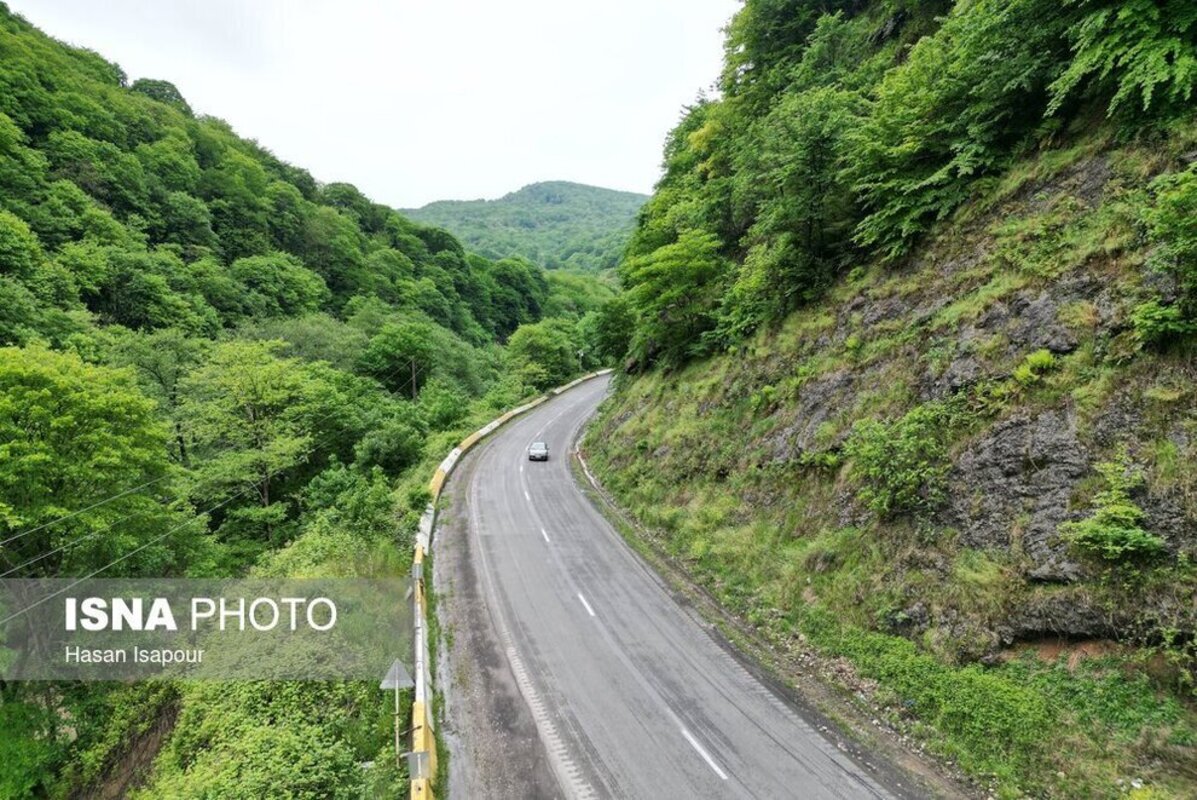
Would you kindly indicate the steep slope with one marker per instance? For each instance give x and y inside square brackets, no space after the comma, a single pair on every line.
[558,225]
[934,427]
[212,365]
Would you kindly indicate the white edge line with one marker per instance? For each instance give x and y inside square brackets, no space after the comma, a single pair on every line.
[590,611]
[701,751]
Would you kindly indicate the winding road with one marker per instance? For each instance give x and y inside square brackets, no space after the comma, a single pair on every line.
[573,671]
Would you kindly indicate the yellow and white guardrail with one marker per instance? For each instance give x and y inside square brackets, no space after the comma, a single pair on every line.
[423,737]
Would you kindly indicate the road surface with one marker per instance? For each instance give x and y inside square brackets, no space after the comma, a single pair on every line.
[574,672]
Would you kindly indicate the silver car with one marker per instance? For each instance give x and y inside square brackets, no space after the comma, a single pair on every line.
[539,451]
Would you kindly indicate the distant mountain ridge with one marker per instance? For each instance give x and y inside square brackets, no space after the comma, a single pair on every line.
[557,224]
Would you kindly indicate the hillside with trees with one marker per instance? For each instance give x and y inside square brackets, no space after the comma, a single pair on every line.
[213,365]
[910,378]
[557,224]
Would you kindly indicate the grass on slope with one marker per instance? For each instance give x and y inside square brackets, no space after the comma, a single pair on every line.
[786,537]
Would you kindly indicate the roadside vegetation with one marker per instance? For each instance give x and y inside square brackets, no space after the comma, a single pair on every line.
[212,365]
[910,377]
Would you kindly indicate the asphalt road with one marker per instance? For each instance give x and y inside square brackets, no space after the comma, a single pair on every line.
[574,672]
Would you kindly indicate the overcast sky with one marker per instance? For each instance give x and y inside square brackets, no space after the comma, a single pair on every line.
[421,100]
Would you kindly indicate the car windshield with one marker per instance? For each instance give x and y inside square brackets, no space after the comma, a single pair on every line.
[539,446]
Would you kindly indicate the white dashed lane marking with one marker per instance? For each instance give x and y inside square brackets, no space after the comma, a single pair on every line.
[702,751]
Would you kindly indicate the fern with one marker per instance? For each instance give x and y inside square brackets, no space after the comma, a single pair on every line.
[1113,532]
[1144,51]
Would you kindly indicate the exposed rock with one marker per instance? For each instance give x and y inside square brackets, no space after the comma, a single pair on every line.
[1035,324]
[1010,490]
[1118,418]
[1165,515]
[962,372]
[1068,614]
[889,29]
[916,616]
[882,310]
[818,401]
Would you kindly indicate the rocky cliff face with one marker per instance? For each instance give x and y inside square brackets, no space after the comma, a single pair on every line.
[1017,317]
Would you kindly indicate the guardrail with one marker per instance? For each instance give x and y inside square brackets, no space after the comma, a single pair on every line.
[423,736]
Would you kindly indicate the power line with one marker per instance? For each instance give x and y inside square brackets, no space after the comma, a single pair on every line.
[200,515]
[74,514]
[130,554]
[159,479]
[73,542]
[109,526]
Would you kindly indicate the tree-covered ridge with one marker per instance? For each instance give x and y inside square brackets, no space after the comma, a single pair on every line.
[557,224]
[212,364]
[132,210]
[848,130]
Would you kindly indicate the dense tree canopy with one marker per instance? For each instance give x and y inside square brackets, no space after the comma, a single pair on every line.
[558,225]
[72,435]
[210,364]
[848,129]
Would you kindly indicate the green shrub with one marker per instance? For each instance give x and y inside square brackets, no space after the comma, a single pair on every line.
[1156,323]
[962,103]
[1031,370]
[1171,222]
[902,464]
[1113,532]
[991,723]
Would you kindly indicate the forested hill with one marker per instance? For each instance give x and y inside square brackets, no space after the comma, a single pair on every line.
[911,384]
[127,206]
[212,364]
[555,224]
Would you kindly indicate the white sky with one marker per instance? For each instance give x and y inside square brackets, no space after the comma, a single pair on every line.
[421,100]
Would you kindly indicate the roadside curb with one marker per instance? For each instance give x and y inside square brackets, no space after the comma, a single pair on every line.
[423,735]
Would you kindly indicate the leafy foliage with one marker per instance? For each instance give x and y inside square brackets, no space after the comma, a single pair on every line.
[674,291]
[797,242]
[957,109]
[1172,223]
[903,464]
[1114,533]
[852,129]
[71,435]
[544,354]
[1144,52]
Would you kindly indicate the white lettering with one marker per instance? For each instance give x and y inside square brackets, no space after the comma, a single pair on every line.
[208,612]
[253,615]
[239,614]
[332,614]
[95,614]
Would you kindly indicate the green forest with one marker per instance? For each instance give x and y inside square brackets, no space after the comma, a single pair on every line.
[559,225]
[213,365]
[905,338]
[911,383]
